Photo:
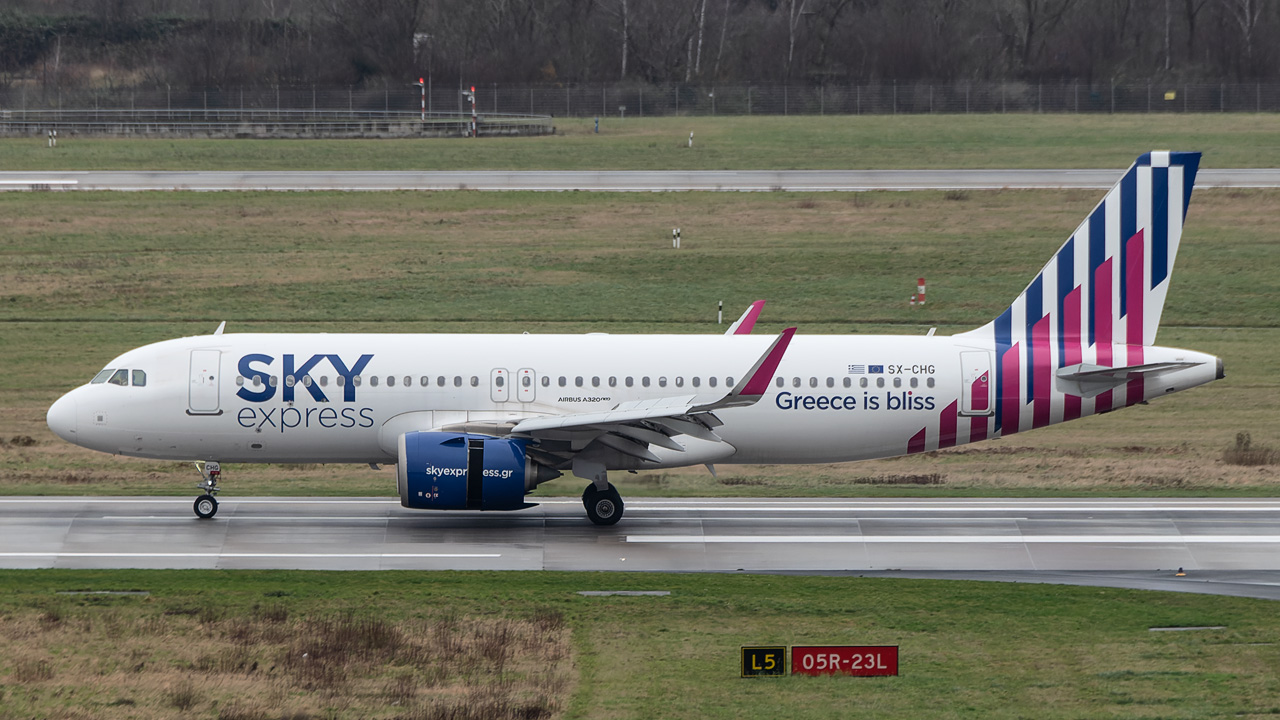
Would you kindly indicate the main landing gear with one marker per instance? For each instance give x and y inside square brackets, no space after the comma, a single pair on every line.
[206,506]
[604,507]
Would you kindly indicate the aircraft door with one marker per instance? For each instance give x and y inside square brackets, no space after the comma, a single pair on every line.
[527,383]
[499,385]
[202,395]
[976,386]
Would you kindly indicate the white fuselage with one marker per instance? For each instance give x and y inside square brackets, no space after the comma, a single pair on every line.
[833,398]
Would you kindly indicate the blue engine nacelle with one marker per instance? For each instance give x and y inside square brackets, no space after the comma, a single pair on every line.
[457,471]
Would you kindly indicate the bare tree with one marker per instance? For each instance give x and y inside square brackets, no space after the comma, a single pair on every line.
[1245,13]
[794,13]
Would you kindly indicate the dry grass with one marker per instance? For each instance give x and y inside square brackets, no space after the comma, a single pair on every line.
[152,662]
[1246,453]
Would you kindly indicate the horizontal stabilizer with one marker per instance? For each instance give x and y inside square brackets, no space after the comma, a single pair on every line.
[1088,380]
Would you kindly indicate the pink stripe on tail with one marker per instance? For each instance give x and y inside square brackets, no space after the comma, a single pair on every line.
[1134,289]
[1102,323]
[1072,353]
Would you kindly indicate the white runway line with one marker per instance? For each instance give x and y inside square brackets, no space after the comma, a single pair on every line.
[964,539]
[233,555]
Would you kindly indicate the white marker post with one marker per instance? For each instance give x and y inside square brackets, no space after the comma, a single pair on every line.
[423,84]
[690,139]
[720,314]
[920,289]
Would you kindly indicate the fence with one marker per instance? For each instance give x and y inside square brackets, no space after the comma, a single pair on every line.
[354,111]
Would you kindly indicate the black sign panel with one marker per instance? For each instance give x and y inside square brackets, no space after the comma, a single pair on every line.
[760,661]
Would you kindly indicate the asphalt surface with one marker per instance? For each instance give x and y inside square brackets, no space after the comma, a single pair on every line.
[611,180]
[1225,546]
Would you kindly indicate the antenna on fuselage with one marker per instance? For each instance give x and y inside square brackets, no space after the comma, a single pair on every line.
[221,326]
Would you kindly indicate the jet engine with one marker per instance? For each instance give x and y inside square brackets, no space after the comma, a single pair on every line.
[459,471]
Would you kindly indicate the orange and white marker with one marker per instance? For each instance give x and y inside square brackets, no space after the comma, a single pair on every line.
[920,290]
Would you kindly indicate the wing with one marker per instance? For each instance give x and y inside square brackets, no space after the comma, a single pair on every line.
[627,434]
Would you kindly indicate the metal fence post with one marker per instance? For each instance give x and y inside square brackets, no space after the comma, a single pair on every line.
[966,98]
[1040,98]
[1113,96]
[1075,89]
[822,99]
[931,99]
[748,99]
[1148,98]
[785,93]
[895,97]
[566,101]
[1222,97]
[1259,90]
[859,106]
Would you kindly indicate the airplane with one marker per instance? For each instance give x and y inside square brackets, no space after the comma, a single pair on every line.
[478,421]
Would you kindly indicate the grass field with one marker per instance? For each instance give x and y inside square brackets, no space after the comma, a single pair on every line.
[758,143]
[87,276]
[525,645]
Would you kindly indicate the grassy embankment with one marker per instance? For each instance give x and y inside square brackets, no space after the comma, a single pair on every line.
[258,645]
[758,143]
[87,276]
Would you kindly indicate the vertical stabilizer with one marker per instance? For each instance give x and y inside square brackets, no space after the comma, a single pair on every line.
[1099,300]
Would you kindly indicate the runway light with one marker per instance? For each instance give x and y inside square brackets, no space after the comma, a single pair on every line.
[1180,573]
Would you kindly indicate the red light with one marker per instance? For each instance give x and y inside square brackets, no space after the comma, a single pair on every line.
[421,81]
[473,88]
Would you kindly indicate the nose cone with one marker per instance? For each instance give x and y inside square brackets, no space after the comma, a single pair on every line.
[62,418]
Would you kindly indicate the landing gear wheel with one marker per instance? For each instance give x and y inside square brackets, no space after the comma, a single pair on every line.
[604,507]
[206,507]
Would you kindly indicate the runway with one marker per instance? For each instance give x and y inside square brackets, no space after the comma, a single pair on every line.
[607,180]
[1225,546]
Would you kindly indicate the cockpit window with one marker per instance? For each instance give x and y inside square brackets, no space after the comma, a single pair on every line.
[102,376]
[139,378]
[121,377]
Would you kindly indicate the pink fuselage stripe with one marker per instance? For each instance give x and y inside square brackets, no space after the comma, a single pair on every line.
[1102,323]
[1072,353]
[1134,294]
[916,443]
[977,429]
[1042,372]
[947,427]
[1011,402]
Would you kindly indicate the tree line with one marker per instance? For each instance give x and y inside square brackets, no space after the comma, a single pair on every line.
[366,43]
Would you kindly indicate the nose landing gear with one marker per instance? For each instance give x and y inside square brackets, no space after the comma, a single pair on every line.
[206,506]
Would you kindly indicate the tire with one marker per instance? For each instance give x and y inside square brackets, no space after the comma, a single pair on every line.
[206,506]
[603,507]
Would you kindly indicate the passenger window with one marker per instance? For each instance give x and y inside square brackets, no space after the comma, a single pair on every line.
[526,381]
[679,381]
[813,382]
[102,376]
[711,381]
[306,381]
[424,381]
[897,382]
[457,381]
[848,382]
[662,381]
[546,381]
[563,381]
[879,382]
[613,381]
[121,377]
[499,381]
[915,382]
[697,381]
[440,381]
[728,382]
[645,381]
[408,381]
[629,382]
[595,381]
[356,380]
[391,381]
[273,381]
[862,382]
[795,382]
[373,381]
[324,381]
[239,381]
[340,381]
[929,382]
[577,381]
[831,382]
[475,381]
